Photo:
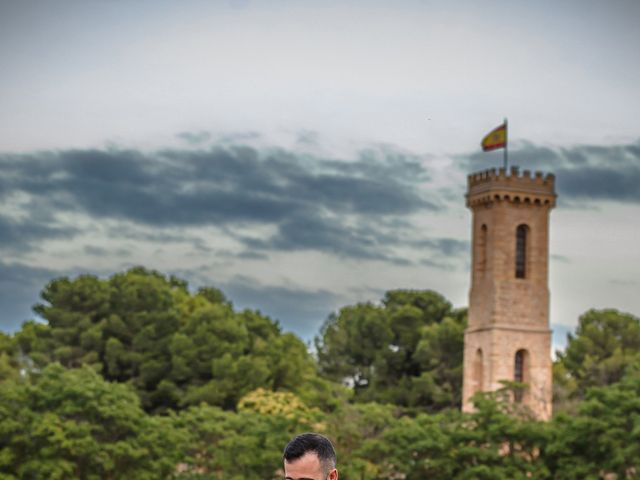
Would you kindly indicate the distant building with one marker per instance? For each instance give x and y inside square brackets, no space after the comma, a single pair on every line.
[508,336]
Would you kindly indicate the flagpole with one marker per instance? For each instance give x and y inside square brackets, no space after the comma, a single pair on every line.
[506,143]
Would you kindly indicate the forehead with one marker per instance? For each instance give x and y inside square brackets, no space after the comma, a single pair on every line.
[307,467]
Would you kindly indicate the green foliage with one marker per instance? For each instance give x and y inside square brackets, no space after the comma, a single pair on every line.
[499,440]
[246,445]
[71,424]
[135,376]
[412,447]
[605,343]
[68,424]
[354,429]
[408,351]
[9,364]
[603,438]
[175,348]
[378,442]
[235,446]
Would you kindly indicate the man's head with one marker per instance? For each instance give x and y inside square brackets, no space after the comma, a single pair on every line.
[310,456]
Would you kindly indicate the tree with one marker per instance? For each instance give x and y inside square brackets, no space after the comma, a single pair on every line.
[356,429]
[499,440]
[406,449]
[605,343]
[407,351]
[440,355]
[602,440]
[246,445]
[9,363]
[496,441]
[71,424]
[175,348]
[352,342]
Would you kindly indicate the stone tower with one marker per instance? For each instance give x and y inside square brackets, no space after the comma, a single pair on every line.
[508,336]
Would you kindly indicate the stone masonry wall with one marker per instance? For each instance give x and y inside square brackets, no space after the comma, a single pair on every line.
[507,314]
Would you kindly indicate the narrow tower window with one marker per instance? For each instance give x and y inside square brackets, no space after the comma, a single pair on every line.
[520,372]
[521,251]
[482,250]
[478,372]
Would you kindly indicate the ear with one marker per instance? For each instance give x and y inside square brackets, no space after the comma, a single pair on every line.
[333,475]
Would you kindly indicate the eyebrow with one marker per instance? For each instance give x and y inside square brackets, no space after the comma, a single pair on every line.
[299,478]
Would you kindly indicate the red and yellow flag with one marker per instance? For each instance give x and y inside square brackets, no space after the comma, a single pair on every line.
[496,138]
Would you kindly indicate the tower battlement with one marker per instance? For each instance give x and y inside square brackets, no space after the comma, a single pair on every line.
[499,185]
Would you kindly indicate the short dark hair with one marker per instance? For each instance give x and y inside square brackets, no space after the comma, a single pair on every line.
[311,442]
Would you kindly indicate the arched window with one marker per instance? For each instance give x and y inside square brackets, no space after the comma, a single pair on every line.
[520,372]
[478,372]
[482,250]
[521,251]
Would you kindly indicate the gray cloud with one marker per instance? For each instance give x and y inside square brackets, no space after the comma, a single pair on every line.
[447,254]
[20,286]
[617,183]
[298,310]
[97,251]
[195,138]
[247,255]
[102,252]
[330,234]
[583,172]
[130,231]
[307,138]
[314,203]
[438,264]
[448,247]
[238,137]
[19,236]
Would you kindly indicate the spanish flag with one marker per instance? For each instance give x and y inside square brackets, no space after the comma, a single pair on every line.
[496,138]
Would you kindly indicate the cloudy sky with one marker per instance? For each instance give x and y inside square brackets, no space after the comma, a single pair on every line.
[306,155]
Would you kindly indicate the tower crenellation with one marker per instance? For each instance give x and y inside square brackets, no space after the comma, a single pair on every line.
[513,177]
[498,185]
